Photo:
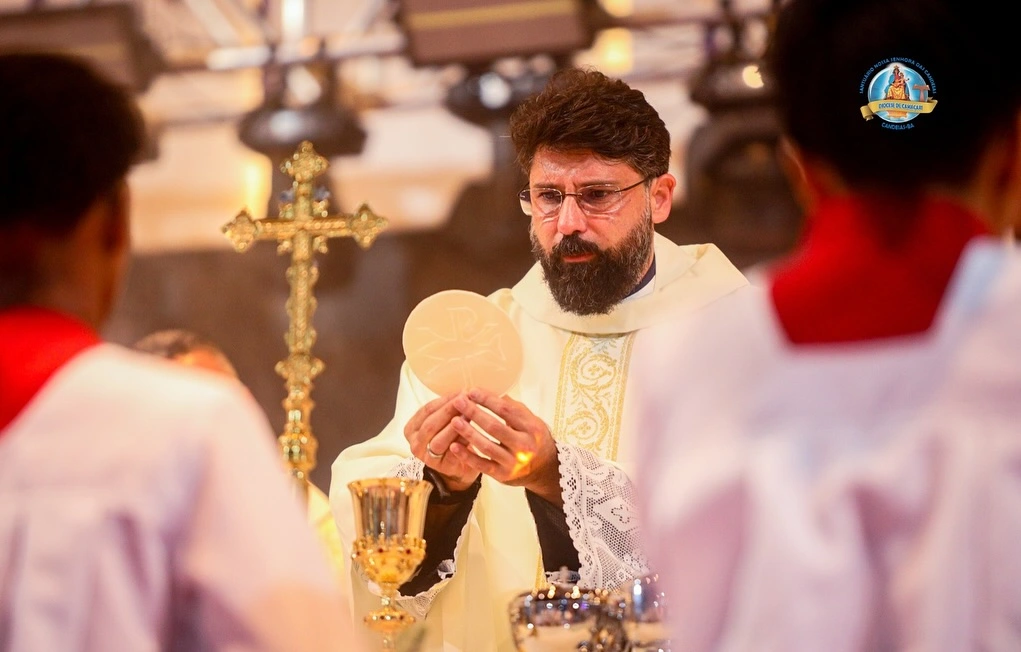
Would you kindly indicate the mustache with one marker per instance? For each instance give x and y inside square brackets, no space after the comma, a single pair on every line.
[573,245]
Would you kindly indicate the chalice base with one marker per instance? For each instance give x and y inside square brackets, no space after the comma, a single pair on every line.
[389,620]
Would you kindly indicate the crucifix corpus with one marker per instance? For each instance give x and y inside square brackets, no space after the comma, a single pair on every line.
[302,230]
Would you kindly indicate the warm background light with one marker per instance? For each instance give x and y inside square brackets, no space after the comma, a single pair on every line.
[614,51]
[619,8]
[751,76]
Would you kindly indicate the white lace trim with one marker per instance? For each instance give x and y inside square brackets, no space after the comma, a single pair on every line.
[600,504]
[411,468]
[418,605]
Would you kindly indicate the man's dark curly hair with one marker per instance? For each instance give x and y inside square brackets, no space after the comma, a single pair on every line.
[821,51]
[70,137]
[586,110]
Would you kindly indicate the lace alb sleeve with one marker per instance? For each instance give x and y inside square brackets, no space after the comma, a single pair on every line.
[600,503]
[411,468]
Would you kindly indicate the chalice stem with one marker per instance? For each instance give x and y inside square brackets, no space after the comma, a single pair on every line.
[384,618]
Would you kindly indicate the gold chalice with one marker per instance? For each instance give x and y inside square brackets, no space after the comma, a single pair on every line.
[389,518]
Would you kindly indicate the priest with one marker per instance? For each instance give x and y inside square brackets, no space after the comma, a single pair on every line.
[546,490]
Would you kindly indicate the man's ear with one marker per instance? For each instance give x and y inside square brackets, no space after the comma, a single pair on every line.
[662,196]
[114,243]
[117,234]
[994,189]
[810,178]
[1010,183]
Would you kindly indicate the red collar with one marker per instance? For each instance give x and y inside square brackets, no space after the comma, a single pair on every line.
[34,344]
[871,268]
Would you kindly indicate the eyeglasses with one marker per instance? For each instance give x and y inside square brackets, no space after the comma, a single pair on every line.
[592,200]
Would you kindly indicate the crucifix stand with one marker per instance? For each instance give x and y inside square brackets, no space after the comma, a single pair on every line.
[302,230]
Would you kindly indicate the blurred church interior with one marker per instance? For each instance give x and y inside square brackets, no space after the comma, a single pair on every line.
[411,112]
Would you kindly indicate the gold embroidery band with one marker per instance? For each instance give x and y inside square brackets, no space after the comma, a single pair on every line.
[510,12]
[590,396]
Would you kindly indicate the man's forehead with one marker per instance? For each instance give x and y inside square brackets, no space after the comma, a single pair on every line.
[581,167]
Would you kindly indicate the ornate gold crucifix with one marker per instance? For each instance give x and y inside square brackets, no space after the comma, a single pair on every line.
[302,230]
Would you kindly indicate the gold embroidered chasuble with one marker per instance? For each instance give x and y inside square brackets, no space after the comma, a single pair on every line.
[590,395]
[575,378]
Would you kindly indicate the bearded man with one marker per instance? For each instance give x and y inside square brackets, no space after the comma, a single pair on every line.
[597,157]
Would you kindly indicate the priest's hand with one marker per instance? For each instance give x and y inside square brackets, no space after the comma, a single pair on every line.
[524,454]
[430,434]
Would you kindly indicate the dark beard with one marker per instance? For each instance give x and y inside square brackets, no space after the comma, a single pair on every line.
[597,286]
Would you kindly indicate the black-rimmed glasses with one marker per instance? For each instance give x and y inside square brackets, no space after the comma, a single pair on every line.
[592,200]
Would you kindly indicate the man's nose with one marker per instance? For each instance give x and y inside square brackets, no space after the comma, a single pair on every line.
[571,219]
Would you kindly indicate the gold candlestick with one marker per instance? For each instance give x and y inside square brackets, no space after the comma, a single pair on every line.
[389,518]
[302,230]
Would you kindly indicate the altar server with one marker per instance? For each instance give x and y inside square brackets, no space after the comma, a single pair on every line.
[833,462]
[142,506]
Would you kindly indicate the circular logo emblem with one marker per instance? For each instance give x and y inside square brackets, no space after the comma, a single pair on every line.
[897,91]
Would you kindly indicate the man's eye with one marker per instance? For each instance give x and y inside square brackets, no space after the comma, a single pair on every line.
[596,194]
[549,196]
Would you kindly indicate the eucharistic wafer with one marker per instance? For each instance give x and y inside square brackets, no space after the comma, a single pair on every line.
[455,340]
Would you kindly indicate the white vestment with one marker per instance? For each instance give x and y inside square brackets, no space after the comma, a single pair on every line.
[862,496]
[143,508]
[320,518]
[576,378]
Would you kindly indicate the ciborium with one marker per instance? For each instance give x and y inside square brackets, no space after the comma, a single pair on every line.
[389,516]
[564,618]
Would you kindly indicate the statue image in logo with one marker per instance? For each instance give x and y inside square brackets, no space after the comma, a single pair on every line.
[897,90]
